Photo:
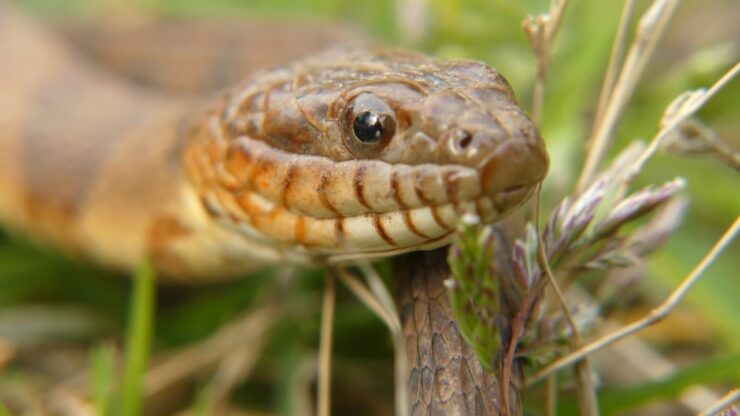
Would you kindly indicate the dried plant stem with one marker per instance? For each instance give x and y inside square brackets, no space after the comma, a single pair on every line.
[688,110]
[237,364]
[728,399]
[191,360]
[233,368]
[649,31]
[518,325]
[539,93]
[615,59]
[323,399]
[392,321]
[654,316]
[508,362]
[368,299]
[375,282]
[556,15]
[721,149]
[541,32]
[586,390]
[551,400]
[642,360]
[402,394]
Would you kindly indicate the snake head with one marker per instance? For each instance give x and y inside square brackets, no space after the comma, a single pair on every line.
[362,153]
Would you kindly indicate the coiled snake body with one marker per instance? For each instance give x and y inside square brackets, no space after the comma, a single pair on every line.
[350,154]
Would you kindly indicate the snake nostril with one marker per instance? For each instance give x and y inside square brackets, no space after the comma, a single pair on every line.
[464,139]
[459,141]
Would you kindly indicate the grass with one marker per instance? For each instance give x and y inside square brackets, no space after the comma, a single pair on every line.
[485,30]
[138,340]
[709,371]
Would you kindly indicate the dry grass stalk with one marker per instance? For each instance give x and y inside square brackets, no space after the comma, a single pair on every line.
[690,103]
[233,369]
[541,31]
[694,137]
[725,403]
[380,302]
[649,30]
[587,399]
[219,350]
[401,369]
[368,299]
[551,398]
[615,59]
[655,315]
[232,338]
[573,241]
[646,363]
[323,399]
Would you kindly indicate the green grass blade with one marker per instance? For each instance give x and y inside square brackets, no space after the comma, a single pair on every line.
[620,399]
[711,371]
[103,370]
[138,340]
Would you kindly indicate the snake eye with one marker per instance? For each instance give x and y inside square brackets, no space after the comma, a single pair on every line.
[370,124]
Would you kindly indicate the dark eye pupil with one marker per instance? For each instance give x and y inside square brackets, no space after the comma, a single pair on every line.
[368,127]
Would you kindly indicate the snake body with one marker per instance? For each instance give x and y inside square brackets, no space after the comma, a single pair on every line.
[350,154]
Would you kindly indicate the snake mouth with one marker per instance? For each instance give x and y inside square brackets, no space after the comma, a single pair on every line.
[506,179]
[341,238]
[513,170]
[321,208]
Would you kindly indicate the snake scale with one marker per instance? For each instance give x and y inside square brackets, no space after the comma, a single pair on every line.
[355,153]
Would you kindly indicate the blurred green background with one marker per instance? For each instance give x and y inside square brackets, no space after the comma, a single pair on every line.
[49,303]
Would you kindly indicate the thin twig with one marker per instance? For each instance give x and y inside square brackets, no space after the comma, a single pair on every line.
[237,364]
[368,299]
[327,326]
[193,359]
[556,14]
[392,321]
[541,31]
[233,369]
[642,361]
[686,111]
[727,400]
[586,390]
[649,31]
[508,362]
[654,316]
[551,400]
[615,59]
[517,331]
[721,150]
[375,282]
[402,394]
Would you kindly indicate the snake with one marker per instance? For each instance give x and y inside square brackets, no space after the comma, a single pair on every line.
[349,154]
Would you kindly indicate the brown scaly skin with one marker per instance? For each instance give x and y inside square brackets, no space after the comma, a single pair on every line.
[118,174]
[445,375]
[281,163]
